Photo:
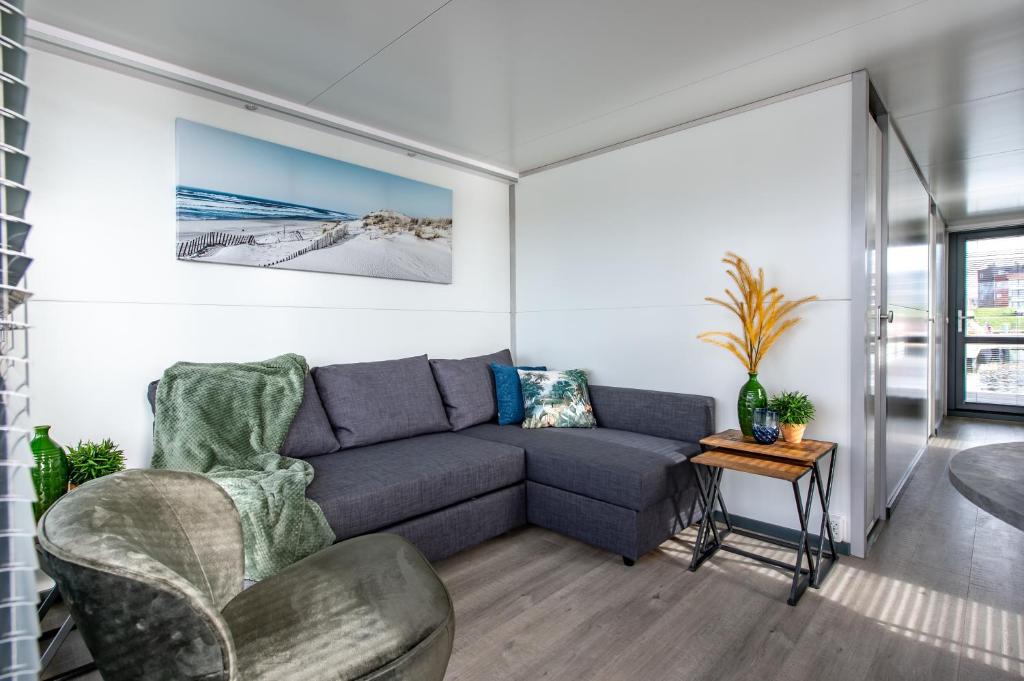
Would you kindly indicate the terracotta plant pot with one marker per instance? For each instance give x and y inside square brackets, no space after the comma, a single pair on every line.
[793,432]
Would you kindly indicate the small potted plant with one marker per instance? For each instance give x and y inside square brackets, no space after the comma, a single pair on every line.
[795,411]
[91,460]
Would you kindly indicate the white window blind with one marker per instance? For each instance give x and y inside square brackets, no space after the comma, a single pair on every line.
[19,625]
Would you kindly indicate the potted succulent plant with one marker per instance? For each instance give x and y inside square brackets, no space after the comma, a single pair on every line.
[795,411]
[91,460]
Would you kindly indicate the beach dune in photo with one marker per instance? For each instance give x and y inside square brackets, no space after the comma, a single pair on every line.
[244,201]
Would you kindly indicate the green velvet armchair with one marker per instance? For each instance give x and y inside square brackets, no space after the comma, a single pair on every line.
[150,563]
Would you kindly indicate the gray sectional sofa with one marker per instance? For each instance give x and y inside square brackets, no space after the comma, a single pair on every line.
[412,447]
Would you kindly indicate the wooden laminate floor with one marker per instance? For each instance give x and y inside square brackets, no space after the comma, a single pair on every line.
[941,598]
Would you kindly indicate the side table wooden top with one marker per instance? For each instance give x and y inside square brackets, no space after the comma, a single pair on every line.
[780,469]
[805,452]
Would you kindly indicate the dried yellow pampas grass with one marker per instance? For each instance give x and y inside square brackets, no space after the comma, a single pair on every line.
[762,314]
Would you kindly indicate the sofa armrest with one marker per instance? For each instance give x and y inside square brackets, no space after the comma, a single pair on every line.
[652,412]
[151,395]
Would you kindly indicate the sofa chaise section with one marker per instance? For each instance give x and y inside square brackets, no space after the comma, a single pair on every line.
[625,489]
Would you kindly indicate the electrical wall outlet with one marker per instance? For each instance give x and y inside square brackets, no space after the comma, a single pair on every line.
[838,523]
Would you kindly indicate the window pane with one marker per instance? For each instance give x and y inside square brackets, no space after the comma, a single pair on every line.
[994,374]
[995,287]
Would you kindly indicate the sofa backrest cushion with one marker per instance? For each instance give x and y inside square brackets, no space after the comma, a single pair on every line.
[310,434]
[467,388]
[371,402]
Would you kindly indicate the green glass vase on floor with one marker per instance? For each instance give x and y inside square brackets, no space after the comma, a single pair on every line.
[50,476]
[752,396]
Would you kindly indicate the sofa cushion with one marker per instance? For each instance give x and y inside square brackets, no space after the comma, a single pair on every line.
[616,466]
[310,433]
[467,388]
[368,488]
[372,402]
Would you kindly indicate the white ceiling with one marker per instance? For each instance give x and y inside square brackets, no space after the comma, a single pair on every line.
[526,83]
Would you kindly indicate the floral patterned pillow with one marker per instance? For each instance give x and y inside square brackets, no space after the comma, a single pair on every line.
[556,399]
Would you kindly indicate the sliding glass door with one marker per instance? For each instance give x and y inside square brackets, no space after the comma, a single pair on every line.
[907,266]
[987,322]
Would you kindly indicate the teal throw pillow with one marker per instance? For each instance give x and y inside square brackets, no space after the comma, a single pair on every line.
[509,392]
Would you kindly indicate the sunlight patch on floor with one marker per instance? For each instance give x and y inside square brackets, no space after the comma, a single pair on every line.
[994,636]
[985,634]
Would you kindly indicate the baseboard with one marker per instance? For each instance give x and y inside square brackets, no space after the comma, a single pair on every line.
[777,531]
[988,415]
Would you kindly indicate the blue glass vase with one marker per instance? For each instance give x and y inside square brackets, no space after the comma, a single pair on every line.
[766,426]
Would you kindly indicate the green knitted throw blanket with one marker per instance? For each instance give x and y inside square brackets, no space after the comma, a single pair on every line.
[228,422]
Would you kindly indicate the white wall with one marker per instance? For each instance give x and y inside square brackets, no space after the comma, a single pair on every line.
[615,254]
[114,306]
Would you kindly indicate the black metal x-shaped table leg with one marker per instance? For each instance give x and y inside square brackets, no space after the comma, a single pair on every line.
[709,539]
[803,546]
[709,493]
[825,560]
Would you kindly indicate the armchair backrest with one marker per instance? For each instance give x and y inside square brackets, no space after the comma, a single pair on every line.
[146,560]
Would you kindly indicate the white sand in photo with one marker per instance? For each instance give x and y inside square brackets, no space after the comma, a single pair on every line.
[360,250]
[396,256]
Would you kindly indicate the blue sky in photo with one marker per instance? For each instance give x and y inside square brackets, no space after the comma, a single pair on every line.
[211,158]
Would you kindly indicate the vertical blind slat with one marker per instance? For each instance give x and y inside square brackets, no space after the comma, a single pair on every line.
[19,625]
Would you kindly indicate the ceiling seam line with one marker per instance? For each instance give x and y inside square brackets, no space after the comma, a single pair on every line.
[70,45]
[365,61]
[939,164]
[955,104]
[686,125]
[710,77]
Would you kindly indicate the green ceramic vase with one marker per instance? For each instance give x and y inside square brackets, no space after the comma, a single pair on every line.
[752,396]
[50,476]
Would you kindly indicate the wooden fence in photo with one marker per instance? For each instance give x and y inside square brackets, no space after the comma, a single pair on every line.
[192,247]
[332,237]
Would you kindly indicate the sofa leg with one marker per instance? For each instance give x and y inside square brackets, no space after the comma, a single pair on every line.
[628,562]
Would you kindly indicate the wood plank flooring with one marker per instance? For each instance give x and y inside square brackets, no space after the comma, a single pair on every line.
[941,598]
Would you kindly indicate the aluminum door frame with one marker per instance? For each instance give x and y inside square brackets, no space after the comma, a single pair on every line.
[875,219]
[957,259]
[937,320]
[914,408]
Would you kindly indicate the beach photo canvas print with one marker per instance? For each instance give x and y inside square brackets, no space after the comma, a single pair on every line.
[245,201]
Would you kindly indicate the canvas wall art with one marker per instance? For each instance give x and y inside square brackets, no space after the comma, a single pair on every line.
[245,201]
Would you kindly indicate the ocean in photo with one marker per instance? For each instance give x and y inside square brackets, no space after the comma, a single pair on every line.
[205,204]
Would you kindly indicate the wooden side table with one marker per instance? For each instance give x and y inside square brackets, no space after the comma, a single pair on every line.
[730,450]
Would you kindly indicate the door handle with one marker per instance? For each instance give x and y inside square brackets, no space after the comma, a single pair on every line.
[960,317]
[886,317]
